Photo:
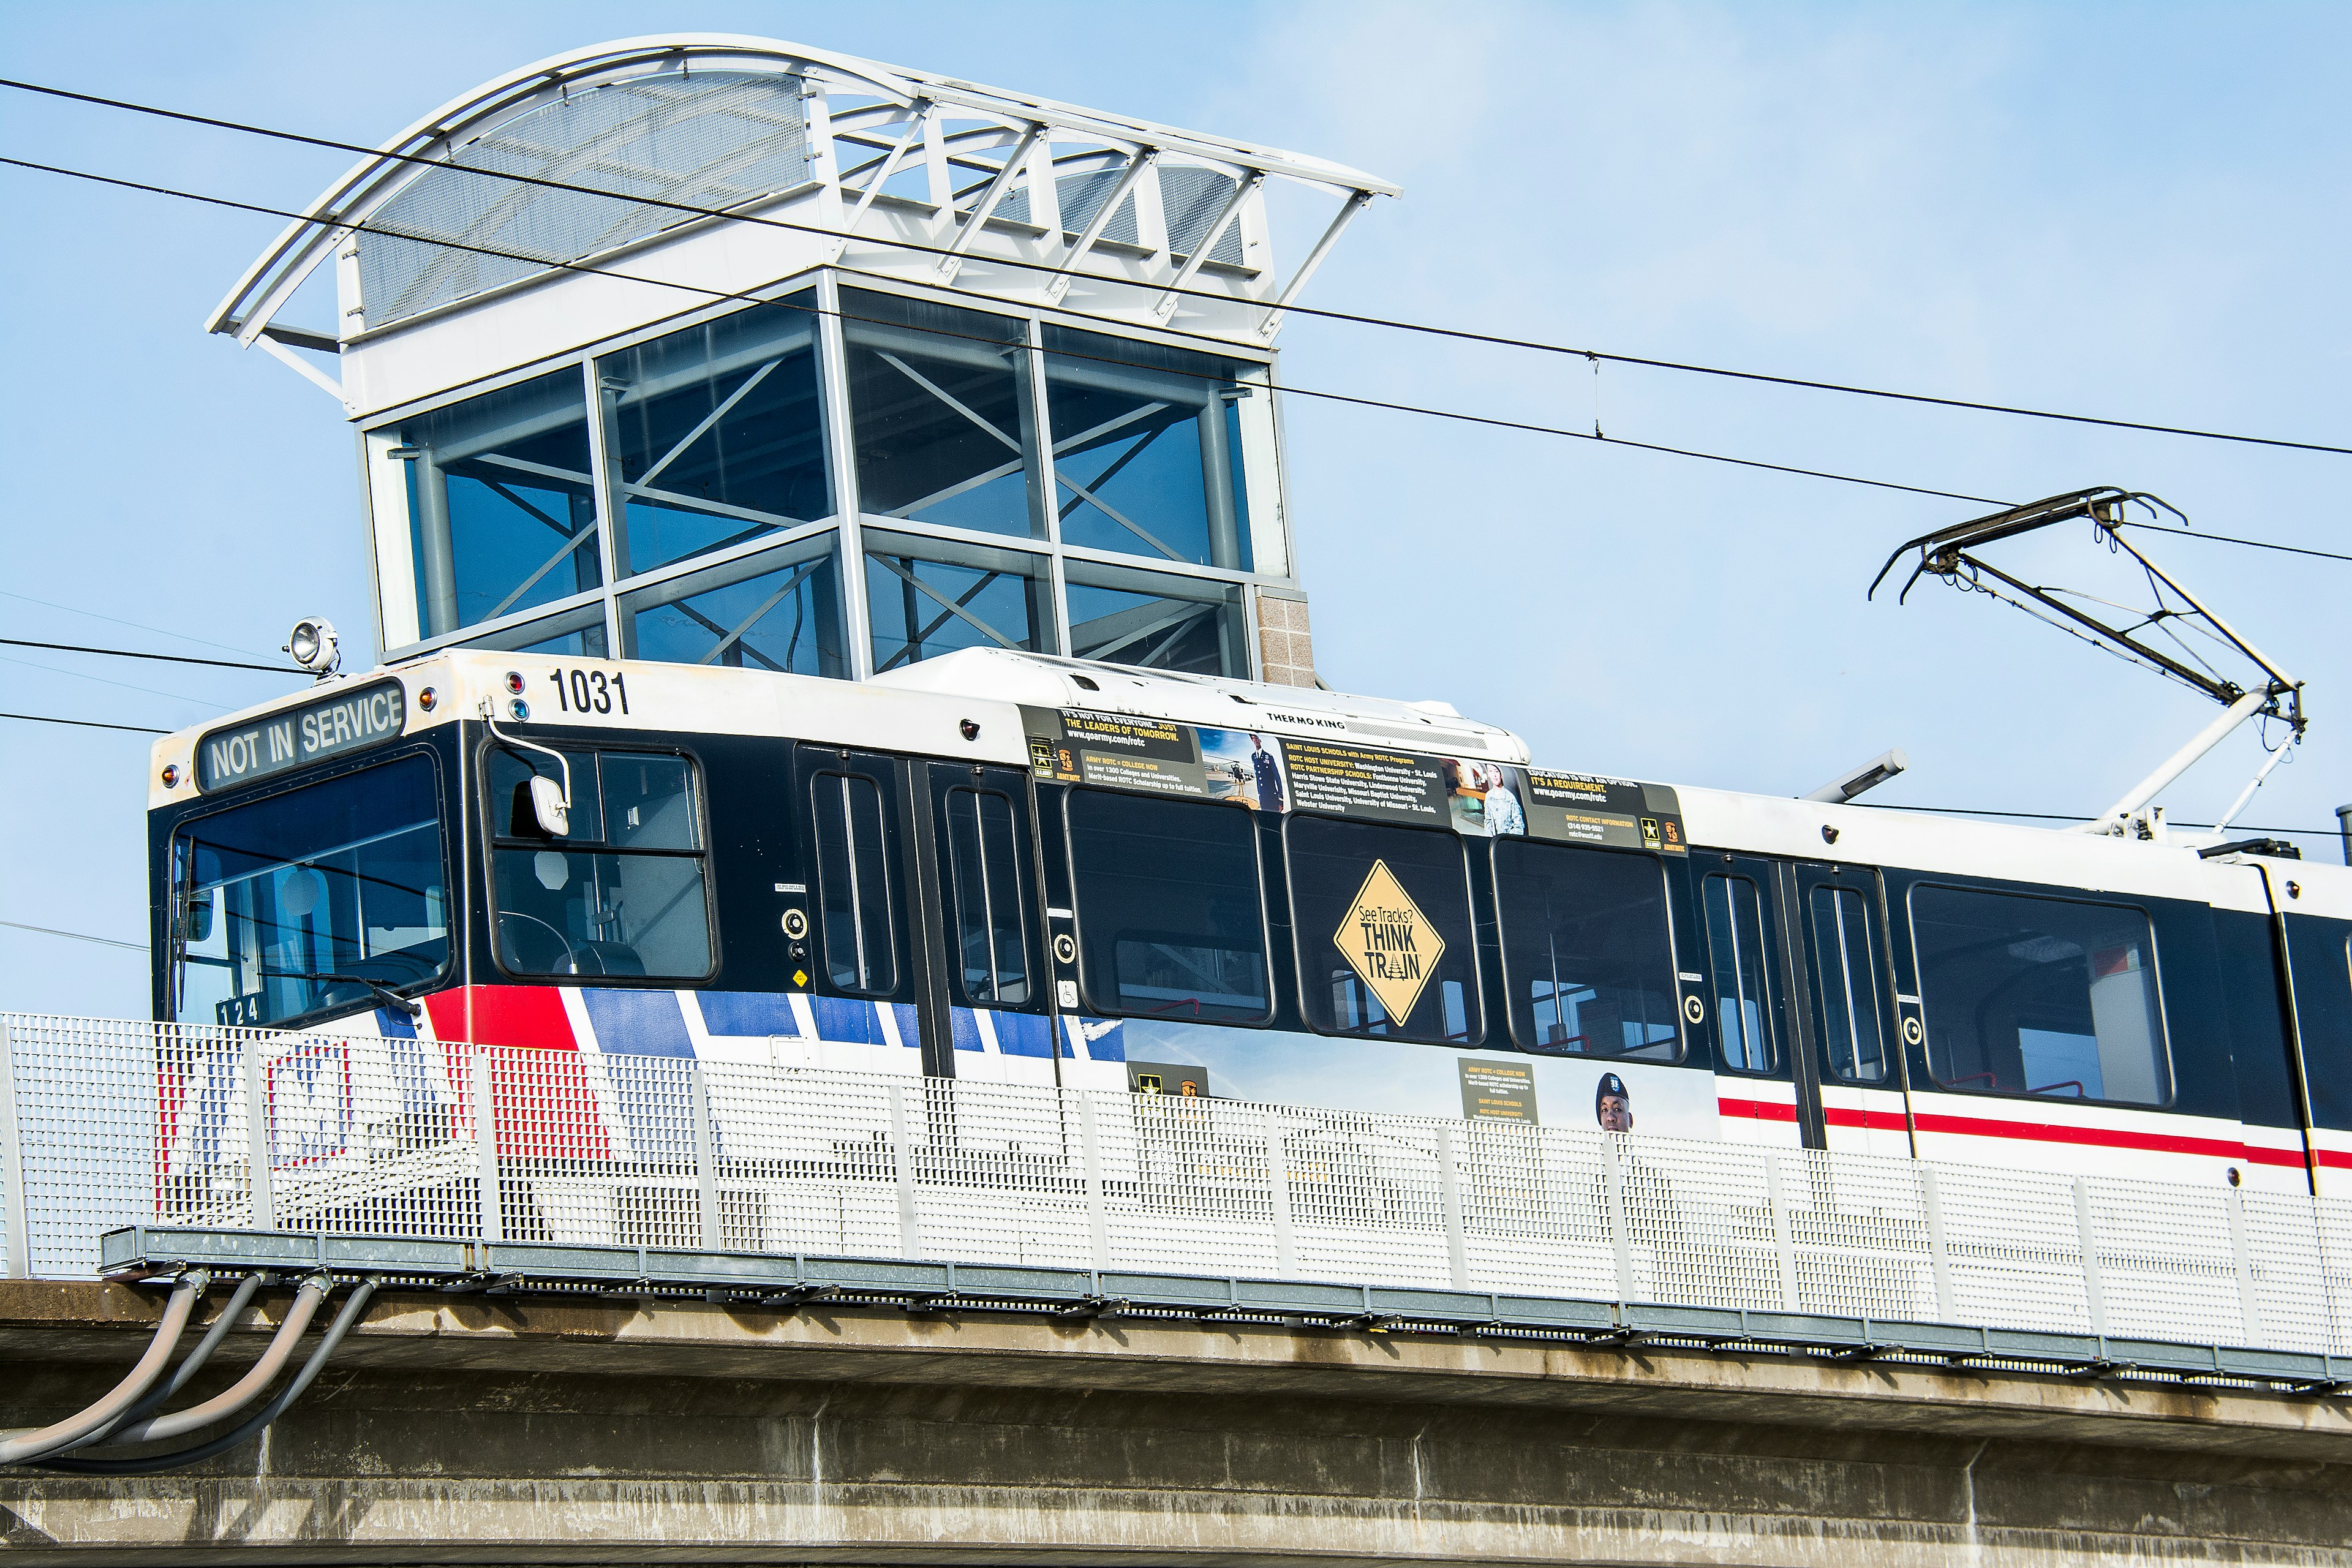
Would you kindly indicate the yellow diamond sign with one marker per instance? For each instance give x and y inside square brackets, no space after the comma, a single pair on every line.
[1389,942]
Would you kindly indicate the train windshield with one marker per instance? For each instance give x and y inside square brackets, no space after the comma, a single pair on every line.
[323,900]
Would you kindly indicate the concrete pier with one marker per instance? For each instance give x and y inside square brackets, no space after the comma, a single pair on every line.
[598,1429]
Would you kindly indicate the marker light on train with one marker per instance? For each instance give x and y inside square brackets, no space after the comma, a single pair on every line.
[428,700]
[514,681]
[518,709]
[171,775]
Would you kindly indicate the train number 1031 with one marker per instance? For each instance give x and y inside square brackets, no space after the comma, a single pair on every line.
[590,691]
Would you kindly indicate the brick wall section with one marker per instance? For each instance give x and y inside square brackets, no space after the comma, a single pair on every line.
[1285,648]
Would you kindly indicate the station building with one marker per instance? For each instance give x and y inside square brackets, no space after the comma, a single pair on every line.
[855,365]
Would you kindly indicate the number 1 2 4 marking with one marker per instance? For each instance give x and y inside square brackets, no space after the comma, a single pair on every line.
[589,690]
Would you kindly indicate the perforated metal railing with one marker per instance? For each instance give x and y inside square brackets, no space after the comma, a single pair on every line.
[110,1123]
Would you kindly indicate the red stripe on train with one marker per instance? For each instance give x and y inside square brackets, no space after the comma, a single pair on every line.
[2040,1132]
[503,1016]
[1762,1109]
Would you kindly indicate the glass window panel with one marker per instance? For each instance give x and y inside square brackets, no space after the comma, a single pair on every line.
[779,611]
[1853,1024]
[578,632]
[502,514]
[854,885]
[648,802]
[579,912]
[716,435]
[1158,622]
[1170,921]
[2032,996]
[620,895]
[939,408]
[291,906]
[1400,901]
[511,771]
[1146,450]
[921,606]
[1743,1004]
[1586,951]
[991,918]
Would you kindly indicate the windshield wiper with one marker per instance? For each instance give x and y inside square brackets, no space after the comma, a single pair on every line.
[390,998]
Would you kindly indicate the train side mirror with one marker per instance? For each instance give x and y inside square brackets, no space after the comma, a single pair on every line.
[547,804]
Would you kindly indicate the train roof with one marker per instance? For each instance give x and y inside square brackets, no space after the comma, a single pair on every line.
[970,704]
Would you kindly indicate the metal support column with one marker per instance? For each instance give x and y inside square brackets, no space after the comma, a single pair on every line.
[1939,1259]
[257,1136]
[2093,1293]
[1783,1242]
[1449,1199]
[1277,1186]
[486,1145]
[902,1163]
[1090,1146]
[18,1262]
[706,1158]
[1612,1178]
[2250,1300]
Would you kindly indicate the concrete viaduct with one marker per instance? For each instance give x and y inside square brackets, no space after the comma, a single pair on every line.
[550,1429]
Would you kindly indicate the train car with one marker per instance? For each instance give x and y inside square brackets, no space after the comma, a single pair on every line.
[1002,865]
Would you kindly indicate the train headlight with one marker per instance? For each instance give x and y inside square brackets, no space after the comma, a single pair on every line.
[312,646]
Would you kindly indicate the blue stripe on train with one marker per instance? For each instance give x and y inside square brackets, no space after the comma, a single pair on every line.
[747,1012]
[637,1023]
[1023,1035]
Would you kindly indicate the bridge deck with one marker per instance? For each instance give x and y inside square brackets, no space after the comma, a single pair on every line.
[578,1429]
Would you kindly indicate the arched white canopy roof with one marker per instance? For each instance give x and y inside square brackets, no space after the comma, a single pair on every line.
[757,151]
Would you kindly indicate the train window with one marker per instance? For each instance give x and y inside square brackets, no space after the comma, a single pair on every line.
[622,894]
[992,920]
[1846,970]
[2040,996]
[1743,1001]
[1171,920]
[1382,916]
[304,901]
[853,874]
[1586,951]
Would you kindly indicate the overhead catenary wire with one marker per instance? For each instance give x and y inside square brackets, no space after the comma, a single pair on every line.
[1353,317]
[161,657]
[84,723]
[77,935]
[1490,421]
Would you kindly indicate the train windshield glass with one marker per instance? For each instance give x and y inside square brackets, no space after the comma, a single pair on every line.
[305,903]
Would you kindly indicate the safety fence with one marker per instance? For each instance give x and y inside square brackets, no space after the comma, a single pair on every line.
[110,1123]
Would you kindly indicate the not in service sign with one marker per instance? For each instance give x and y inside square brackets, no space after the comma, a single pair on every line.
[347,721]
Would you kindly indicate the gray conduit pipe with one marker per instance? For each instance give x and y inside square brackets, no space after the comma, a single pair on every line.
[190,1364]
[151,1464]
[231,1400]
[26,1444]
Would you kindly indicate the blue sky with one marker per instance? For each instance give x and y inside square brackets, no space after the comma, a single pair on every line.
[2129,211]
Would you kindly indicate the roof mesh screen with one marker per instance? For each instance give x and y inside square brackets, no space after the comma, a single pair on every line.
[709,139]
[1192,198]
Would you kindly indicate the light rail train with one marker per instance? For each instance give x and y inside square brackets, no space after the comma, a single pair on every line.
[1002,865]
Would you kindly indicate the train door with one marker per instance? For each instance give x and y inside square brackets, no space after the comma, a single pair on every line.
[1850,1010]
[989,936]
[2316,913]
[1758,1093]
[869,981]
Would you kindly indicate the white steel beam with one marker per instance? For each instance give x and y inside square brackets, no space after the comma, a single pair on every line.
[1014,162]
[1355,204]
